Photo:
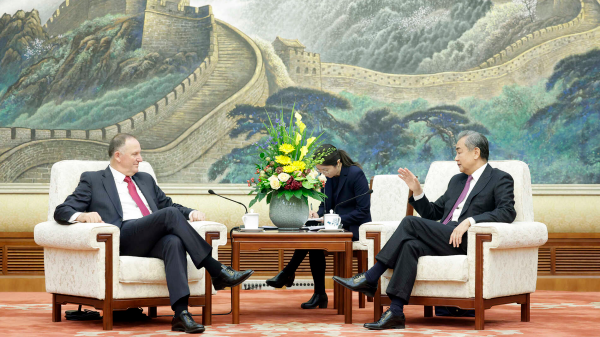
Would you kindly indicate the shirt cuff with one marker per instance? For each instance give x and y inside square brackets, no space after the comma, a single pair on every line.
[419,197]
[73,217]
[472,221]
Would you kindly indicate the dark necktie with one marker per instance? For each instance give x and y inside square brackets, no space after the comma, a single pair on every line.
[136,197]
[462,197]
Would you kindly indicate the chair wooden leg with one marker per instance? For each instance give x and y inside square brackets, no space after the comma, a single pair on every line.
[362,267]
[428,311]
[152,312]
[107,315]
[56,309]
[369,299]
[525,309]
[479,319]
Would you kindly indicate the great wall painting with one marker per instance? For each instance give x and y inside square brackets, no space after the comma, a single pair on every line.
[392,82]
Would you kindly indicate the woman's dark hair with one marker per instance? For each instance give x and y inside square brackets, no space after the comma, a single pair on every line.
[333,154]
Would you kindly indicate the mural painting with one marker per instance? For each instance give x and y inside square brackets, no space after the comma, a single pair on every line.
[392,82]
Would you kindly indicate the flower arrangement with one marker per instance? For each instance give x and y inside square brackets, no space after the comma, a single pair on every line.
[287,162]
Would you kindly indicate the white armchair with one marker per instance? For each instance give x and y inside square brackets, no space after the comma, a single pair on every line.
[82,264]
[501,263]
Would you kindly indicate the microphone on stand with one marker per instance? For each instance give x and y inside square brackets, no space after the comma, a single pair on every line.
[237,202]
[358,196]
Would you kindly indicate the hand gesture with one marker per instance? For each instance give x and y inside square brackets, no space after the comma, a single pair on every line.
[457,234]
[197,216]
[91,217]
[411,180]
[314,215]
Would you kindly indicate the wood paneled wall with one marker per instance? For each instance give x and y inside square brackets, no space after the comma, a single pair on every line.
[568,262]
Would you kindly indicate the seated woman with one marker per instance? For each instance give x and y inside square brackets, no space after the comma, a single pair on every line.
[345,180]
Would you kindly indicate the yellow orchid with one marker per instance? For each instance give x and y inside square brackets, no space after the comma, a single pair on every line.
[310,141]
[298,138]
[301,126]
[286,148]
[289,168]
[283,160]
[298,117]
[303,152]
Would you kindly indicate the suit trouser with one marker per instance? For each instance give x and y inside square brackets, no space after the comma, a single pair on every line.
[167,235]
[415,237]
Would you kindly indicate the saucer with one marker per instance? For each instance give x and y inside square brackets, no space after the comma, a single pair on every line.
[252,230]
[331,230]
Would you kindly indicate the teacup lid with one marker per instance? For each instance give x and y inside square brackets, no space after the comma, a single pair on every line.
[252,212]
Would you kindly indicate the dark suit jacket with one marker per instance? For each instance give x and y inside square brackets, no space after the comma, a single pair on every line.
[354,213]
[491,200]
[97,192]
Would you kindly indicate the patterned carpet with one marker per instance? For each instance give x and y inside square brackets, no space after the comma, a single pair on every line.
[277,313]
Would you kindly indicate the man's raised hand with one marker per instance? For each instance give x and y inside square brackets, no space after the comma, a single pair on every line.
[411,180]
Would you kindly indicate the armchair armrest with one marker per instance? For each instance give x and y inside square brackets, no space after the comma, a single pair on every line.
[383,231]
[514,235]
[203,227]
[77,236]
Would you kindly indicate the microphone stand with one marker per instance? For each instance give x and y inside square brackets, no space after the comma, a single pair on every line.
[358,196]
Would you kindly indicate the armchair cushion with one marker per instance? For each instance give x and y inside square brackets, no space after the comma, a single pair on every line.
[454,268]
[135,269]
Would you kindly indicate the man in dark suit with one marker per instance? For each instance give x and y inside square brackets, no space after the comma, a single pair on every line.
[151,224]
[479,194]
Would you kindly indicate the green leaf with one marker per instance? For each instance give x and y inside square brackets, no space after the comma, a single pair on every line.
[252,203]
[298,194]
[262,155]
[269,196]
[288,194]
[261,196]
[307,185]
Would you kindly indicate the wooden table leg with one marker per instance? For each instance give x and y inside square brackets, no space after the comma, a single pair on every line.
[341,292]
[348,292]
[235,291]
[335,284]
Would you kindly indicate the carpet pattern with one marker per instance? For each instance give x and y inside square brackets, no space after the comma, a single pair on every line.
[269,313]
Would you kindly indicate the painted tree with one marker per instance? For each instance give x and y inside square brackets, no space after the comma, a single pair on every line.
[445,122]
[571,124]
[529,8]
[383,137]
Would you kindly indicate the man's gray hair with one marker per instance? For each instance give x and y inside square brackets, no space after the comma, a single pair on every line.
[475,139]
[118,142]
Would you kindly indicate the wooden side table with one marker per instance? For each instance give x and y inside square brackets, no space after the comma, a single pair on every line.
[335,242]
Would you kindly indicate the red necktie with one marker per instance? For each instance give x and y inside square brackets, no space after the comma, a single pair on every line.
[462,197]
[136,197]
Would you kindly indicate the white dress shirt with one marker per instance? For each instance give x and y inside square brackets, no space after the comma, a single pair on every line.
[476,175]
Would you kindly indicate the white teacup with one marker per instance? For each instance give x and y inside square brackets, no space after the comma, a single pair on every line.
[250,220]
[331,220]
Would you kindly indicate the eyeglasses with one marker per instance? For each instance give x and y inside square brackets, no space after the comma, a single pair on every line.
[324,171]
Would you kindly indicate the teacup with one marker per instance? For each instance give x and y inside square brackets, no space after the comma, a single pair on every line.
[331,221]
[250,220]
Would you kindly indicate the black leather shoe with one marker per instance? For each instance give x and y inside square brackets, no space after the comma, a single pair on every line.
[230,278]
[281,279]
[387,321]
[317,300]
[358,283]
[186,323]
